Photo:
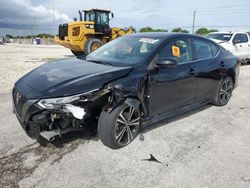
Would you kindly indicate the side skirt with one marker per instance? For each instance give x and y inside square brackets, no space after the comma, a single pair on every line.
[165,115]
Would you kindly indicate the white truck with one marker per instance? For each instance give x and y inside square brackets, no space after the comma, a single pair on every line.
[1,40]
[236,42]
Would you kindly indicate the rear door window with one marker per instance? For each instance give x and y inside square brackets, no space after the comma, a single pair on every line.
[203,49]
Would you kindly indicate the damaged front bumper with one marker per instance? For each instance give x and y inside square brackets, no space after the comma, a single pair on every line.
[52,117]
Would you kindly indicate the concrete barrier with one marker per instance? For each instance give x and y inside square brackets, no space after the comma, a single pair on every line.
[44,41]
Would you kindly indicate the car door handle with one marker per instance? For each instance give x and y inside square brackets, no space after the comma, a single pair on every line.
[222,64]
[248,44]
[192,71]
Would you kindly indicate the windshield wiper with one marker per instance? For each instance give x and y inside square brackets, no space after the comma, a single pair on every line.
[99,62]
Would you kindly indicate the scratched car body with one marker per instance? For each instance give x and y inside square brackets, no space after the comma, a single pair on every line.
[125,85]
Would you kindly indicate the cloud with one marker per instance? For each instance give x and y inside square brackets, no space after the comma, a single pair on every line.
[140,13]
[22,15]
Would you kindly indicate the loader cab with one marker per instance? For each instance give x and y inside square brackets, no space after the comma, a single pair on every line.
[101,19]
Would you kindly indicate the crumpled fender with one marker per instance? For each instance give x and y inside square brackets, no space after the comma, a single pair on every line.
[131,90]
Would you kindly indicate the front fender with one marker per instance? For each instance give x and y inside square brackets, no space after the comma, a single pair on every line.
[130,89]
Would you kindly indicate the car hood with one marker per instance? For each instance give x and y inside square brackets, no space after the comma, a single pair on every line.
[70,76]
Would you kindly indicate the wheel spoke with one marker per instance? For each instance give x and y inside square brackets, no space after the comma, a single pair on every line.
[122,117]
[229,87]
[135,120]
[223,87]
[120,135]
[131,112]
[222,92]
[129,134]
[121,121]
[227,95]
[223,97]
[136,123]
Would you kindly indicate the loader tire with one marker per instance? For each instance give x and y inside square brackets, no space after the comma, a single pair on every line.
[78,53]
[91,45]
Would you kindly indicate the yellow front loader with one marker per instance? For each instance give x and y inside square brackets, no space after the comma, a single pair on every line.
[84,36]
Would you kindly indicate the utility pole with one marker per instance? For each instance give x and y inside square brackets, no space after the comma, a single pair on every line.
[54,17]
[34,27]
[193,21]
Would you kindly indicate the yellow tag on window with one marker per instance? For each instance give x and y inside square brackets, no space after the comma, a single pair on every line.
[176,51]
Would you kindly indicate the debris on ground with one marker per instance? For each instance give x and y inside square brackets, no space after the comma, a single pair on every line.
[153,159]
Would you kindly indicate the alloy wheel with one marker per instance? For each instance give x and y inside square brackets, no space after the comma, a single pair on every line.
[95,46]
[226,90]
[127,125]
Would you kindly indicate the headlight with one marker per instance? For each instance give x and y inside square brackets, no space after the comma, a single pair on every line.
[53,102]
[89,26]
[50,103]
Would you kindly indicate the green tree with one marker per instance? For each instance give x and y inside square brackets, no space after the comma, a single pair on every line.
[213,30]
[149,29]
[180,30]
[9,36]
[134,30]
[44,35]
[146,29]
[205,31]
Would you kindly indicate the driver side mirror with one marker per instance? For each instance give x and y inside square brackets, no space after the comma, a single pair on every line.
[236,41]
[167,63]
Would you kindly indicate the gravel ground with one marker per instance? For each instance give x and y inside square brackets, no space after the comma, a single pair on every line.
[207,147]
[18,59]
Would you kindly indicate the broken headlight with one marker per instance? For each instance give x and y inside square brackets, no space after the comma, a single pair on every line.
[54,102]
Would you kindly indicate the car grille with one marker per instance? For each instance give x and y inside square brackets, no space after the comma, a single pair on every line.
[18,101]
[63,31]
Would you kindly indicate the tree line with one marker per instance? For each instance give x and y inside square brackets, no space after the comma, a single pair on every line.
[200,31]
[41,35]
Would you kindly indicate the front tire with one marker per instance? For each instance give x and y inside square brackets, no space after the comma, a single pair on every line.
[91,45]
[224,91]
[120,127]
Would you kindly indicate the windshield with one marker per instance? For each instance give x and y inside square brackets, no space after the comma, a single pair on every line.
[102,18]
[125,51]
[220,36]
[90,16]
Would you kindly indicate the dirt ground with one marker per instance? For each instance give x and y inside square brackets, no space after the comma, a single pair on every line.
[207,147]
[18,59]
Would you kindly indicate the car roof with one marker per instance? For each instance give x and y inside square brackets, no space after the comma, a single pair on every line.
[226,32]
[165,35]
[159,34]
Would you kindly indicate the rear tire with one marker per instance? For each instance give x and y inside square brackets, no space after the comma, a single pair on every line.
[120,127]
[91,45]
[224,91]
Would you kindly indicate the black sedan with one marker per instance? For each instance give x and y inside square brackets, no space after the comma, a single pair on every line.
[125,85]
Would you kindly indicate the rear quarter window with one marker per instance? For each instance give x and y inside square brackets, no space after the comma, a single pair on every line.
[215,49]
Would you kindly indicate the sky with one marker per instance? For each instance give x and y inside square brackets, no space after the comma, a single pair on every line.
[23,17]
